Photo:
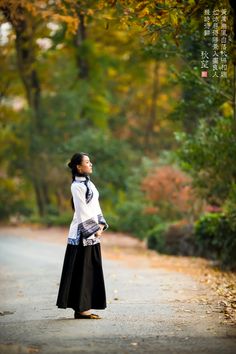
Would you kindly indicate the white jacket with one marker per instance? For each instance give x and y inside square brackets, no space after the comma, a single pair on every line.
[88,214]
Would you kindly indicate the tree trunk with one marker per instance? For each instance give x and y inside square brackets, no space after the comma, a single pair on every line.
[24,27]
[153,110]
[82,64]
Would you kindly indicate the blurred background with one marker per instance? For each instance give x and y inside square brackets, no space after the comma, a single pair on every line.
[120,80]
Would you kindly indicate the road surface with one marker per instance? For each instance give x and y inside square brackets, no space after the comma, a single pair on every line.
[149,310]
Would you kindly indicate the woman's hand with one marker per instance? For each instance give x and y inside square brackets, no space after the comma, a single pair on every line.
[99,232]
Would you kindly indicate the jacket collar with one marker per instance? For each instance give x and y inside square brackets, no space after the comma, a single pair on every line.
[81,178]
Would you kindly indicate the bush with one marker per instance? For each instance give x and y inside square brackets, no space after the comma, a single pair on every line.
[175,239]
[156,238]
[180,239]
[216,238]
[134,220]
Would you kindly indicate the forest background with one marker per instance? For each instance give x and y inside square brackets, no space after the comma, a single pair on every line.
[121,80]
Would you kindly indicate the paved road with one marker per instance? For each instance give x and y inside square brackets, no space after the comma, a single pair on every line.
[149,310]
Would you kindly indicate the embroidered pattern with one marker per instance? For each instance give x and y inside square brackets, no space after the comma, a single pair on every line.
[88,227]
[85,230]
[73,241]
[91,242]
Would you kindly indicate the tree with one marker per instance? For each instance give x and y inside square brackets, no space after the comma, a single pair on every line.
[25,27]
[209,157]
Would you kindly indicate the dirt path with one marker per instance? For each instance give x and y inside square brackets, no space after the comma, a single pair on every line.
[156,304]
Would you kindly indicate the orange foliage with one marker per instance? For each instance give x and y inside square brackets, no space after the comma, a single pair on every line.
[151,210]
[168,187]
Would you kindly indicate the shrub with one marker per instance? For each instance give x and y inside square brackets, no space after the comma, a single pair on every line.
[216,238]
[134,219]
[156,238]
[180,239]
[175,239]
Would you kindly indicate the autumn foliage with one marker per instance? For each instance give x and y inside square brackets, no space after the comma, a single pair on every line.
[171,193]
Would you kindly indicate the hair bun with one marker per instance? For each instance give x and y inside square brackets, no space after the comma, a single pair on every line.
[69,164]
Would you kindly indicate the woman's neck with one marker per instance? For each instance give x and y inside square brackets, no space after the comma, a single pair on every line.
[81,174]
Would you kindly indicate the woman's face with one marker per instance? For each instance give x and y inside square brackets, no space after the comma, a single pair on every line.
[85,166]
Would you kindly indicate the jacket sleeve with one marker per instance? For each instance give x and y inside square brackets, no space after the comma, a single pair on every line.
[88,224]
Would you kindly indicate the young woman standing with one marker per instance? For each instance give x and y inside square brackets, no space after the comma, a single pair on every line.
[82,285]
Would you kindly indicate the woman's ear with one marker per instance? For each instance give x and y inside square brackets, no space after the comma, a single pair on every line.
[78,168]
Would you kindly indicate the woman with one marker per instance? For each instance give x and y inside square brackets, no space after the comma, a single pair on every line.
[82,284]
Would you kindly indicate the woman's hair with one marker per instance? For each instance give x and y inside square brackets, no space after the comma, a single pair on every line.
[74,161]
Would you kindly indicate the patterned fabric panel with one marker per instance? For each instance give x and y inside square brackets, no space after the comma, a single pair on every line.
[101,220]
[73,241]
[91,242]
[88,227]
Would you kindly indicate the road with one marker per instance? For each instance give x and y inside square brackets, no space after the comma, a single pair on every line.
[150,310]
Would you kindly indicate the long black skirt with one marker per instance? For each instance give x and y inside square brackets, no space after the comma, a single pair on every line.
[82,283]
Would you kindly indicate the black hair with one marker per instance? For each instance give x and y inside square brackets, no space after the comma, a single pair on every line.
[74,161]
